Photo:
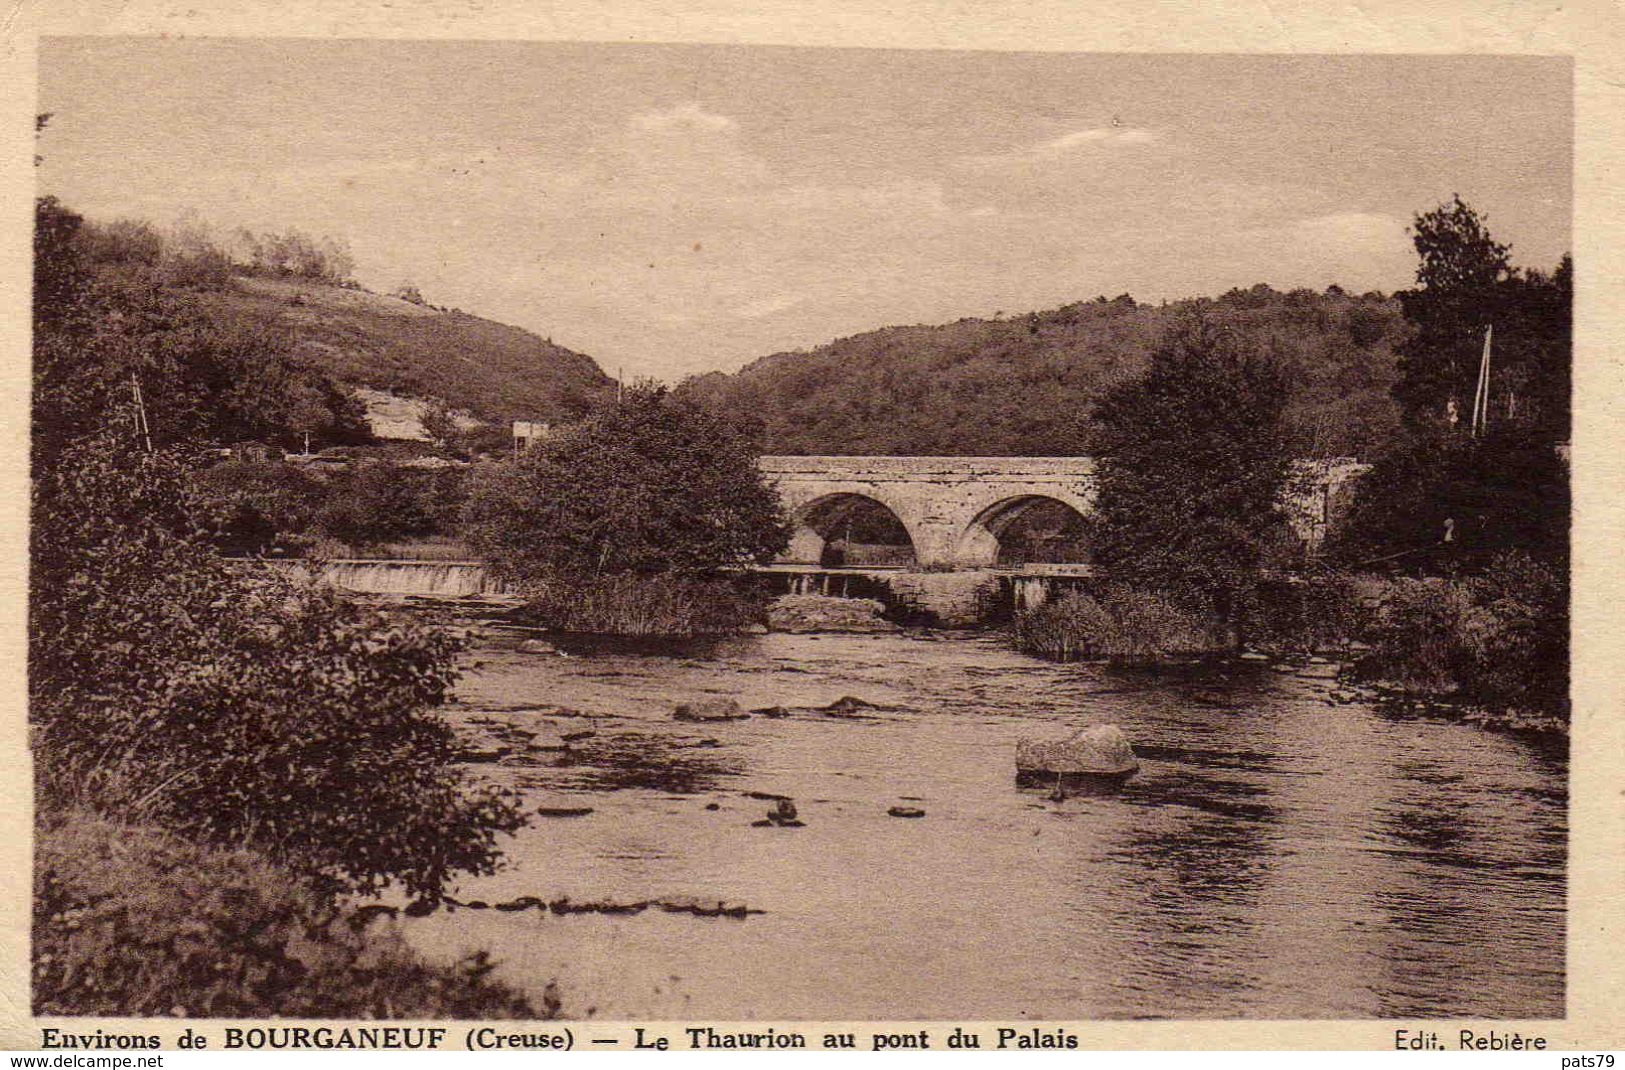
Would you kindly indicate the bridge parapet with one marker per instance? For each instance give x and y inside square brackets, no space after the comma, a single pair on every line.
[954,508]
[894,469]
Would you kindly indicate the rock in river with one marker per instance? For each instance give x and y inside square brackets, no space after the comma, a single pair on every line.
[848,706]
[710,709]
[783,815]
[369,913]
[821,613]
[1099,750]
[563,811]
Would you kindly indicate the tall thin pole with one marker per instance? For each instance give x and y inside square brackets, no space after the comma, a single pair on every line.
[141,427]
[1481,396]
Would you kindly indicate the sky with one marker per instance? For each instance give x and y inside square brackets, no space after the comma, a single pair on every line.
[676,209]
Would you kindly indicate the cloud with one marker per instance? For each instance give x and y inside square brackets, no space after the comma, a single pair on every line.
[767,306]
[1069,144]
[686,117]
[1099,135]
[1359,229]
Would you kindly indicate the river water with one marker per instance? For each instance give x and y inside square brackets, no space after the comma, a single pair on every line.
[1278,855]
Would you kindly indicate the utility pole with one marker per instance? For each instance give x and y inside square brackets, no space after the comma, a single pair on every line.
[1481,396]
[142,430]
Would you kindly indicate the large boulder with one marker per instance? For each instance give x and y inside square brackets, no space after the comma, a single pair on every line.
[1099,750]
[710,709]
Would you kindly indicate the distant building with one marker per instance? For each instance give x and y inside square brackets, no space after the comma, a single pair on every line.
[1318,495]
[258,452]
[526,433]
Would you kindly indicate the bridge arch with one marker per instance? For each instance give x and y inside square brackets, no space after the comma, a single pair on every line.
[845,529]
[1025,528]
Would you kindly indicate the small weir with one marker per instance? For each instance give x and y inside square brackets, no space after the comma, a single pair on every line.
[957,598]
[429,579]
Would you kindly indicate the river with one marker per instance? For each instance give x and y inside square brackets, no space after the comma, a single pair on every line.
[1278,855]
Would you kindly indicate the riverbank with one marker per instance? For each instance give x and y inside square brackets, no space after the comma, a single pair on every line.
[1488,649]
[131,921]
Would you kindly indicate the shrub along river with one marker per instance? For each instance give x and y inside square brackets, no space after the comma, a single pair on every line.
[1278,856]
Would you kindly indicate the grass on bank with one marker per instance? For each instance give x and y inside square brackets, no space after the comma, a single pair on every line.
[132,921]
[1119,624]
[646,605]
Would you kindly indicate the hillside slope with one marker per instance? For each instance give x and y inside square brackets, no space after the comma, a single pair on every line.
[492,371]
[1027,385]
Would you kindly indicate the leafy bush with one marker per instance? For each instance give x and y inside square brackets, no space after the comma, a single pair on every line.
[124,241]
[1416,633]
[650,484]
[655,605]
[1303,615]
[131,922]
[254,507]
[1518,639]
[1193,462]
[378,502]
[239,709]
[1498,640]
[1121,623]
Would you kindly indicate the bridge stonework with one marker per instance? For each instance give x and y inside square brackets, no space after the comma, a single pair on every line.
[952,507]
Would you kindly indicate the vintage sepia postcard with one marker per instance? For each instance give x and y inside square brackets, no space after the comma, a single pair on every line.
[726,534]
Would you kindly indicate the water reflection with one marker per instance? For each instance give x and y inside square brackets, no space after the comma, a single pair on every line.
[1276,856]
[645,760]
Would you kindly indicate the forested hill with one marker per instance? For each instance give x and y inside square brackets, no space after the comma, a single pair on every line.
[1027,385]
[291,295]
[493,371]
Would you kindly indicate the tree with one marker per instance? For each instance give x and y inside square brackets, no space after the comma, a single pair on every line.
[440,424]
[239,708]
[651,484]
[1446,494]
[167,686]
[1460,267]
[1192,462]
[204,377]
[1441,501]
[294,254]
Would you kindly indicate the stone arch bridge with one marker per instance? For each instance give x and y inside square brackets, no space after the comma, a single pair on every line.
[953,509]
[956,510]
